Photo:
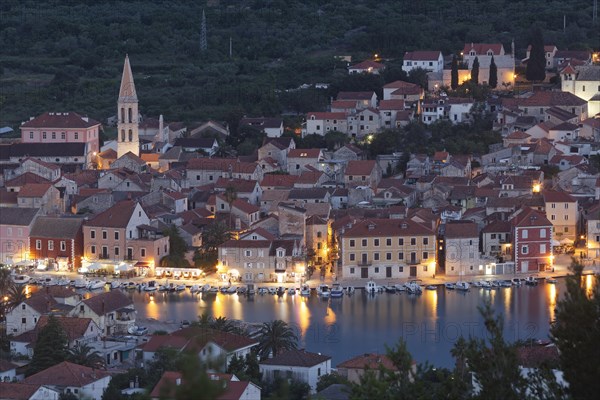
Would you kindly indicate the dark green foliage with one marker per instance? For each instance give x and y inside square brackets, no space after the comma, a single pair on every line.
[245,368]
[274,337]
[475,71]
[177,250]
[493,79]
[329,379]
[212,236]
[50,347]
[577,334]
[83,354]
[536,65]
[454,73]
[286,389]
[67,396]
[122,381]
[418,76]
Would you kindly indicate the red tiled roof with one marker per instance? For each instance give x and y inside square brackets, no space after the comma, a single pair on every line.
[554,196]
[221,164]
[67,374]
[344,104]
[227,341]
[7,365]
[461,229]
[17,391]
[517,135]
[360,167]
[355,95]
[371,361]
[60,120]
[425,55]
[108,302]
[326,115]
[41,302]
[26,178]
[43,163]
[387,227]
[296,358]
[34,190]
[240,185]
[244,206]
[74,327]
[482,48]
[167,341]
[546,99]
[367,64]
[117,216]
[391,105]
[277,180]
[530,217]
[304,153]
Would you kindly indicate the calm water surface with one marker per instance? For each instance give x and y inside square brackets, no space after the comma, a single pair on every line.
[360,323]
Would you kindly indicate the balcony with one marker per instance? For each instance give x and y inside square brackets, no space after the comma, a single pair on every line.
[413,262]
[365,263]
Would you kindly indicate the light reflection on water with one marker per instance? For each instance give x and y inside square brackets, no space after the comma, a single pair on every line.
[356,324]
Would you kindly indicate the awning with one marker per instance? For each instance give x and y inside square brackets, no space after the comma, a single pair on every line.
[566,241]
[94,267]
[555,242]
[124,267]
[142,264]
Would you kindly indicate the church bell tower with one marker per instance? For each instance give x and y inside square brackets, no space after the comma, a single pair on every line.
[127,114]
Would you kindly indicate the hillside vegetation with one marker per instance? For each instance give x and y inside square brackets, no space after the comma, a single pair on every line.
[61,55]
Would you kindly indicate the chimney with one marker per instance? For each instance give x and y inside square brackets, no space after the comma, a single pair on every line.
[238,224]
[178,381]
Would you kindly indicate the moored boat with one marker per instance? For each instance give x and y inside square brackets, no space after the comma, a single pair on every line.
[531,281]
[305,290]
[350,289]
[462,285]
[431,287]
[151,286]
[413,287]
[337,290]
[371,287]
[550,279]
[323,290]
[97,284]
[449,285]
[291,291]
[21,279]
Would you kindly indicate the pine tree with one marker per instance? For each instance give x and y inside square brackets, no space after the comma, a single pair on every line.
[536,65]
[493,80]
[576,333]
[475,71]
[50,347]
[454,73]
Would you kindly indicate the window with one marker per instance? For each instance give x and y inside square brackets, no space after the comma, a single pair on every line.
[413,241]
[53,135]
[566,217]
[23,306]
[248,253]
[566,206]
[116,251]
[542,233]
[351,270]
[63,135]
[542,248]
[319,234]
[93,234]
[76,136]
[50,244]
[319,246]
[30,135]
[401,269]
[552,217]
[493,236]
[23,320]
[143,252]
[425,241]
[93,249]
[364,242]
[352,257]
[388,242]
[375,242]
[376,270]
[104,235]
[376,256]
[525,234]
[524,249]
[425,255]
[352,242]
[318,371]
[400,256]
[400,242]
[43,135]
[553,205]
[38,244]
[116,235]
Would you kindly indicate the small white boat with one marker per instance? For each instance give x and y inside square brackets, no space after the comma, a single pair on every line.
[413,287]
[485,284]
[305,290]
[243,290]
[80,283]
[291,291]
[213,289]
[400,287]
[516,281]
[21,279]
[495,284]
[371,287]
[263,290]
[462,285]
[323,290]
[336,290]
[63,282]
[272,290]
[476,284]
[180,288]
[130,285]
[97,284]
[151,286]
[531,281]
[223,289]
[232,289]
[431,287]
[115,284]
[194,289]
[390,288]
[350,289]
[505,284]
[450,286]
[47,281]
[549,279]
[205,288]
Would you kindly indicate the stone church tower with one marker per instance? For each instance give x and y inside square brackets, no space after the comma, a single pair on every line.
[127,113]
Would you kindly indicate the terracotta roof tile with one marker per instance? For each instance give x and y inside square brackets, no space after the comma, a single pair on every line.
[360,167]
[60,120]
[67,374]
[17,391]
[296,358]
[371,361]
[108,302]
[56,227]
[389,227]
[305,153]
[367,64]
[34,189]
[117,216]
[426,55]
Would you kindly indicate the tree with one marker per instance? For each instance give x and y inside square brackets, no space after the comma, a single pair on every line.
[475,71]
[454,73]
[50,347]
[419,77]
[493,79]
[329,379]
[274,337]
[230,197]
[213,236]
[245,368]
[576,333]
[83,354]
[177,249]
[536,65]
[16,294]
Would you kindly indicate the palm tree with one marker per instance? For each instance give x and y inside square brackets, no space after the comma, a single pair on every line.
[204,320]
[83,354]
[15,295]
[274,337]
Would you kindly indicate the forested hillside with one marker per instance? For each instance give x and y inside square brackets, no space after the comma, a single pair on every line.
[64,55]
